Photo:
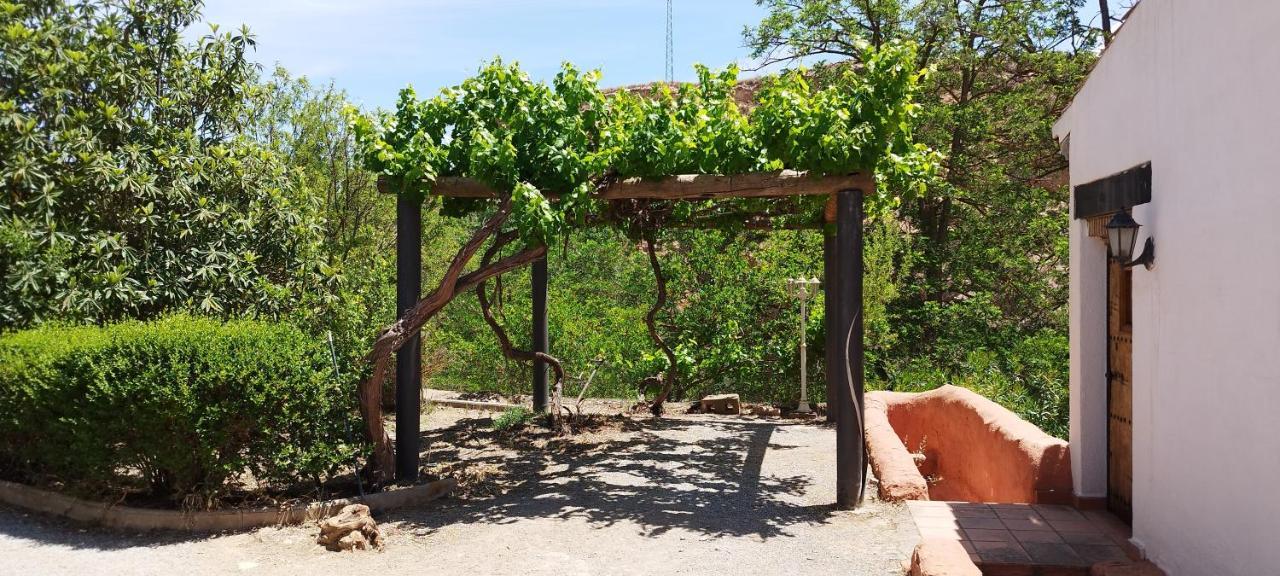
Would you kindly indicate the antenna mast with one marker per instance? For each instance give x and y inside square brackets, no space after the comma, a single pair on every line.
[671,70]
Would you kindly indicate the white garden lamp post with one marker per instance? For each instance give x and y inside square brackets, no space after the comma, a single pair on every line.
[800,287]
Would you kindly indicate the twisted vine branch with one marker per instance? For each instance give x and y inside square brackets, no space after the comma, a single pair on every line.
[500,332]
[410,324]
[651,320]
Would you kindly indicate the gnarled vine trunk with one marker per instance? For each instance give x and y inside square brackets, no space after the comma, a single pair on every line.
[508,349]
[651,320]
[394,337]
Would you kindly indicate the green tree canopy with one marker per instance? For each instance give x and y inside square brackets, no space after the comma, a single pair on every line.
[129,186]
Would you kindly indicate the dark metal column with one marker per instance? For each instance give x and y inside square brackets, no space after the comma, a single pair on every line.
[409,358]
[851,463]
[540,334]
[829,278]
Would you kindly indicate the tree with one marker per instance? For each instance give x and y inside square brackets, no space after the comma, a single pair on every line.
[129,187]
[988,234]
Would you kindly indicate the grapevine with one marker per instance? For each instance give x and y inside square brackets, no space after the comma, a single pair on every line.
[546,148]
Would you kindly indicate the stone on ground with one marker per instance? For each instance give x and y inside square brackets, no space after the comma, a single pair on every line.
[722,404]
[351,529]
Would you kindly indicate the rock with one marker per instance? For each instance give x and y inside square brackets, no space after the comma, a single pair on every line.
[722,404]
[351,529]
[766,411]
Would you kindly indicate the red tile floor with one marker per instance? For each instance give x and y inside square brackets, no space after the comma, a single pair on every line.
[1026,538]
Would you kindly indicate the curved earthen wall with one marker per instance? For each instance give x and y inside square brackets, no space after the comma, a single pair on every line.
[973,449]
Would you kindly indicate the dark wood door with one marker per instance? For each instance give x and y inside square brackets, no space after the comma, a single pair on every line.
[1120,392]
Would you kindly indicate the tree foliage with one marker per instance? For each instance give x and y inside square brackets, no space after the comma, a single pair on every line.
[988,234]
[130,186]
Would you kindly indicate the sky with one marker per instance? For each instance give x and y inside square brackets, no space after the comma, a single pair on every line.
[373,48]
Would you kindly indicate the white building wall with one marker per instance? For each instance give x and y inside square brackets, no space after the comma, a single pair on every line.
[1192,86]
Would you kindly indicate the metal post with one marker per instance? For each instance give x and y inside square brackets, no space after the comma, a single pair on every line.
[851,464]
[800,287]
[409,357]
[829,281]
[540,334]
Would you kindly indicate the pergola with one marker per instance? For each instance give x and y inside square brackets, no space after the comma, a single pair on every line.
[843,271]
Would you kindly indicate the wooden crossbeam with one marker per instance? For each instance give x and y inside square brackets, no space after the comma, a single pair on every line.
[685,187]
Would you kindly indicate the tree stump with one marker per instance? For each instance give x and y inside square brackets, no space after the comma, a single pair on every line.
[351,529]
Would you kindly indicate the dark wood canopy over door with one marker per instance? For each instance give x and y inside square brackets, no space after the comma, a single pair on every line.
[1120,391]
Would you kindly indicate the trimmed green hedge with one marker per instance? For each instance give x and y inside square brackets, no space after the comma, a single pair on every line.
[182,406]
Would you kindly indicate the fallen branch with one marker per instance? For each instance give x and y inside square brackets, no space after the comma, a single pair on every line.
[595,365]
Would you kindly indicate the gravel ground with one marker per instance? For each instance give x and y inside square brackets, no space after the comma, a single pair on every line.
[701,495]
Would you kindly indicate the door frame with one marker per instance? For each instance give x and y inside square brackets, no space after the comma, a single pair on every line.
[1124,514]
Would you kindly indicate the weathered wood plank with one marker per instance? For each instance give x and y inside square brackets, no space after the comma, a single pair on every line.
[686,187]
[451,186]
[758,185]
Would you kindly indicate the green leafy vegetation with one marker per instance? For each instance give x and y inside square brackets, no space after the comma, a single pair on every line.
[531,140]
[512,419]
[982,293]
[129,184]
[142,174]
[173,408]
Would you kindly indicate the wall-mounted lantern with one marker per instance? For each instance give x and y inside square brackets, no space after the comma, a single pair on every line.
[1122,237]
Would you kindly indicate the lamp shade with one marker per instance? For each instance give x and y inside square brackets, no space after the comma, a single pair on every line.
[1122,236]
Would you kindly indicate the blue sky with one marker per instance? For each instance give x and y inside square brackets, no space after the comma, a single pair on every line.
[372,48]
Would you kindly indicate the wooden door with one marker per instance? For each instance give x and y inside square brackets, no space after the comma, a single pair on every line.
[1120,391]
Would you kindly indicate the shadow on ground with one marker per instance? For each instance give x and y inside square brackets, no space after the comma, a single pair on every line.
[703,476]
[707,477]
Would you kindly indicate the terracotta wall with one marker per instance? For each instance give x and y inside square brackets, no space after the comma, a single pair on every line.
[974,449]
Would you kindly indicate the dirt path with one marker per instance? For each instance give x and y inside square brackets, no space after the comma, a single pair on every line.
[681,496]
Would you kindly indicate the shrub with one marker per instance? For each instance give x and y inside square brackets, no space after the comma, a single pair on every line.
[512,419]
[183,406]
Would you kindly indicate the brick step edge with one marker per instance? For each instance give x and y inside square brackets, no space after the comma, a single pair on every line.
[130,518]
[942,557]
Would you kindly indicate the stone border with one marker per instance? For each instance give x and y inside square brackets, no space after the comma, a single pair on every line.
[129,518]
[891,463]
[475,405]
[1023,463]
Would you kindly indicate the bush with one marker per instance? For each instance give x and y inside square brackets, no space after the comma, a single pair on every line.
[180,407]
[512,419]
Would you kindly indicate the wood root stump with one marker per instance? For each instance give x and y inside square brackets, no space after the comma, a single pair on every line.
[351,529]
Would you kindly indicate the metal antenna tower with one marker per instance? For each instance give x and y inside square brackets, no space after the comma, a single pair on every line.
[671,69]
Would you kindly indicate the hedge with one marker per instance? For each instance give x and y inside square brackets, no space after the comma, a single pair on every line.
[178,407]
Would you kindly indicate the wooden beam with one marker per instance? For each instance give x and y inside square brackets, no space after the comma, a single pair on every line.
[540,334]
[409,357]
[684,187]
[851,455]
[757,185]
[451,186]
[1116,192]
